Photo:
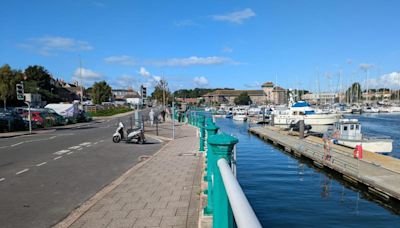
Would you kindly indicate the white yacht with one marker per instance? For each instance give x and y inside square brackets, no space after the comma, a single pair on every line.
[240,116]
[302,110]
[348,133]
[370,109]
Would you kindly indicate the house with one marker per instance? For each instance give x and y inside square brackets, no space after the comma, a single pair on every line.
[119,94]
[274,94]
[228,96]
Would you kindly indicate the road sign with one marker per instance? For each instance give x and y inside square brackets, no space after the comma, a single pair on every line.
[20,91]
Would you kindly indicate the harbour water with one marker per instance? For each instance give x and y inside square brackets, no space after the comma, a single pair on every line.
[285,191]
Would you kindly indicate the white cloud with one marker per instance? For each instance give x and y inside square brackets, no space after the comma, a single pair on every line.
[157,78]
[227,49]
[391,80]
[365,66]
[87,75]
[235,17]
[51,45]
[193,60]
[184,23]
[172,62]
[124,81]
[200,81]
[143,72]
[255,84]
[121,59]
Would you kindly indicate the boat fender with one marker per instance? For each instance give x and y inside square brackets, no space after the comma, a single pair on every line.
[358,152]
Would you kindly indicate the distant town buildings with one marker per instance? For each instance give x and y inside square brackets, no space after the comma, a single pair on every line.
[269,94]
[123,94]
[274,94]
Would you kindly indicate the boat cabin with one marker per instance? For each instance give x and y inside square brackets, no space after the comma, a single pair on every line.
[349,129]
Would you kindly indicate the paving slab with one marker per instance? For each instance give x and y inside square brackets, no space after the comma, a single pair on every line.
[164,192]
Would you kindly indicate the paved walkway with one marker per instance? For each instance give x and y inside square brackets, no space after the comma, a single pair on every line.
[164,192]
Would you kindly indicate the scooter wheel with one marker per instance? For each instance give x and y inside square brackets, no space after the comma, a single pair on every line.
[140,141]
[116,139]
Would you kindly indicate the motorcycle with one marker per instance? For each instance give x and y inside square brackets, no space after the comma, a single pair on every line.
[131,134]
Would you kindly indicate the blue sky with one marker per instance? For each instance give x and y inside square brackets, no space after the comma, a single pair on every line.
[238,44]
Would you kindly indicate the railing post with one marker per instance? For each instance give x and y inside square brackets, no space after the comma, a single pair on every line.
[202,133]
[221,146]
[211,129]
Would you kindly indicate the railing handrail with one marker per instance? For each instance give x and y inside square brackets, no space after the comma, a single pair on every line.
[242,210]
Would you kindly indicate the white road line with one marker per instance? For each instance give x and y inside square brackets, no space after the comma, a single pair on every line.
[22,171]
[80,148]
[74,147]
[40,164]
[88,145]
[2,179]
[85,143]
[70,152]
[61,152]
[16,144]
[101,140]
[95,143]
[57,157]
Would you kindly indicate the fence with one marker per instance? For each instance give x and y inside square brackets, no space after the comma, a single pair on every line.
[226,201]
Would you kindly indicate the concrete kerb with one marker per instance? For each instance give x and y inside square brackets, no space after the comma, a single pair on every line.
[82,209]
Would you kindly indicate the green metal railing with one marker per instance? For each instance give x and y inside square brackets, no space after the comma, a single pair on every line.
[218,149]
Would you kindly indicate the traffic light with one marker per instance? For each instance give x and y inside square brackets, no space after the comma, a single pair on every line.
[20,92]
[143,91]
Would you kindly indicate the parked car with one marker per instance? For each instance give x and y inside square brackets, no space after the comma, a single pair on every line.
[58,119]
[11,121]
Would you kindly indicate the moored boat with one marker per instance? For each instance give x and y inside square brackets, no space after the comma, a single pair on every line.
[347,132]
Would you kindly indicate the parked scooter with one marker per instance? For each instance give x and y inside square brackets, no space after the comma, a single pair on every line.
[131,134]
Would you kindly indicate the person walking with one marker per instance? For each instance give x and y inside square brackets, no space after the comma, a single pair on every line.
[151,115]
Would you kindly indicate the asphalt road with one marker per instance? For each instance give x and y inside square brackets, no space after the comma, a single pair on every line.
[43,177]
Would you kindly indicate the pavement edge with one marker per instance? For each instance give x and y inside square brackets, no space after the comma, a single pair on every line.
[83,208]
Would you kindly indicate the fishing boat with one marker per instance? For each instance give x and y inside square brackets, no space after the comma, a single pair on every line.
[347,132]
[301,110]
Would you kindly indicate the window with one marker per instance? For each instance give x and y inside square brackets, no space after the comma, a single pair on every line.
[357,127]
[344,128]
[352,127]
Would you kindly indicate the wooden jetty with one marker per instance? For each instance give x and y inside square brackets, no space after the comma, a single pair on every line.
[379,173]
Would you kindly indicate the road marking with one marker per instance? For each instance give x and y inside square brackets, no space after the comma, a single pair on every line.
[40,164]
[95,143]
[155,138]
[80,148]
[70,152]
[61,152]
[16,144]
[22,171]
[85,143]
[88,145]
[101,140]
[57,157]
[74,147]
[52,137]
[2,179]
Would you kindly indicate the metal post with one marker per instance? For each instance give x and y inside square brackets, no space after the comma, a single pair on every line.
[272,119]
[222,146]
[211,129]
[157,126]
[29,116]
[301,129]
[173,120]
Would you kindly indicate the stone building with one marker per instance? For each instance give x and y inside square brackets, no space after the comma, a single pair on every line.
[228,96]
[274,94]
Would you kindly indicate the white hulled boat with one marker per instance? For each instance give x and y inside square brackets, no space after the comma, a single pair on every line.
[302,110]
[348,133]
[240,116]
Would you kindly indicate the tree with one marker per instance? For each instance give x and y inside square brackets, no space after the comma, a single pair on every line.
[161,92]
[243,99]
[101,92]
[38,80]
[8,80]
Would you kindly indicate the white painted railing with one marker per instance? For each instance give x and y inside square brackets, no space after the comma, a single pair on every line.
[242,210]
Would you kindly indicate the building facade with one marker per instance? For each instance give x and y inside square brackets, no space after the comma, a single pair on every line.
[274,94]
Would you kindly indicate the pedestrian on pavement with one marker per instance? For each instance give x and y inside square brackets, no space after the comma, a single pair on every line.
[151,115]
[163,112]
